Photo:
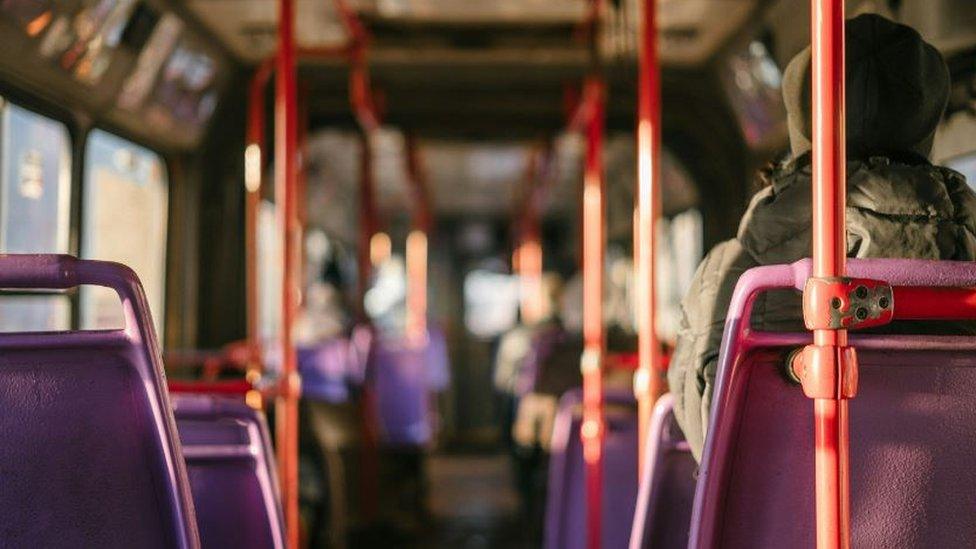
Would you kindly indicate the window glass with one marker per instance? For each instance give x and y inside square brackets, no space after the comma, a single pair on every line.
[678,254]
[95,31]
[184,94]
[491,302]
[124,220]
[80,36]
[270,264]
[752,81]
[966,165]
[35,187]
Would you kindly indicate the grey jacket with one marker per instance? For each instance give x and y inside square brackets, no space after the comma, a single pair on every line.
[895,209]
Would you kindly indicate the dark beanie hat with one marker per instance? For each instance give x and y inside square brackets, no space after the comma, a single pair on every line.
[897,90]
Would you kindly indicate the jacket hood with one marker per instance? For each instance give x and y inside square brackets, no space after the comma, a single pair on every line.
[885,199]
[897,90]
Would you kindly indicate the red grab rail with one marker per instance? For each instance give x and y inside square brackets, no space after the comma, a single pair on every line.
[594,243]
[253,175]
[527,257]
[286,183]
[649,380]
[830,375]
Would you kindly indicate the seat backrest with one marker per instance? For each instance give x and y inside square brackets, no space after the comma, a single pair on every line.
[663,515]
[566,499]
[232,473]
[399,373]
[405,376]
[912,443]
[90,454]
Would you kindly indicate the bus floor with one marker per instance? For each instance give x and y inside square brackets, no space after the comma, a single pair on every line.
[472,503]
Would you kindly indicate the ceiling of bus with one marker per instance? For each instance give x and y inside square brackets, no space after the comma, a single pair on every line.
[470,180]
[691,29]
[458,72]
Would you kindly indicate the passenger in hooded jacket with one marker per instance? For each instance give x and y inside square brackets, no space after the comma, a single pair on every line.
[899,205]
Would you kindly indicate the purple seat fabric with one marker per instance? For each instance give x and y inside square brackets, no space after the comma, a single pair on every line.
[402,395]
[231,468]
[90,454]
[405,377]
[565,526]
[664,500]
[912,444]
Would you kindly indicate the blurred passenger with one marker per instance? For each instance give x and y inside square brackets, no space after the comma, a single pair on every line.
[516,344]
[549,368]
[330,417]
[513,347]
[898,204]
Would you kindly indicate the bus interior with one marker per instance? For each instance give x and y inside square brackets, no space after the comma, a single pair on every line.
[407,273]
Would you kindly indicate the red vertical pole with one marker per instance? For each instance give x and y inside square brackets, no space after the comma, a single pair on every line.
[286,179]
[367,222]
[253,174]
[368,227]
[529,244]
[649,381]
[592,431]
[301,189]
[829,259]
[416,325]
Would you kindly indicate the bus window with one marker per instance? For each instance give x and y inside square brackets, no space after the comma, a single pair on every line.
[80,37]
[678,254]
[35,187]
[966,165]
[270,263]
[752,81]
[491,302]
[119,173]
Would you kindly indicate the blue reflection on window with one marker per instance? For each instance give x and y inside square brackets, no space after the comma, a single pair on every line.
[35,187]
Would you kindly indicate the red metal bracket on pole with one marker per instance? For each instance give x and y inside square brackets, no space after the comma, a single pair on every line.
[830,369]
[846,303]
[649,381]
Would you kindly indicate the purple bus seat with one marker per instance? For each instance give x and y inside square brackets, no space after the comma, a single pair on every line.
[664,500]
[326,369]
[565,526]
[232,474]
[405,377]
[913,483]
[90,454]
[402,395]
